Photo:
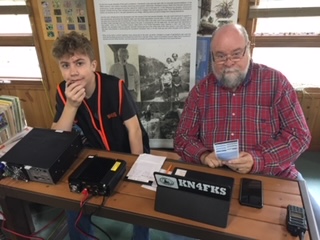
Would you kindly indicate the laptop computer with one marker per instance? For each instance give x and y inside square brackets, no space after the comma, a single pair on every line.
[194,195]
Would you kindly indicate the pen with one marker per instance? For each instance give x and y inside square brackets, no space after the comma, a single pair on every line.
[169,169]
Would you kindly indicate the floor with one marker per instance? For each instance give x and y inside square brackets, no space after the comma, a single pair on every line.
[115,229]
[308,164]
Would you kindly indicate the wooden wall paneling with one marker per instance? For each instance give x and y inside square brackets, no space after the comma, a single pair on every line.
[250,24]
[243,12]
[93,31]
[49,69]
[33,100]
[310,102]
[37,43]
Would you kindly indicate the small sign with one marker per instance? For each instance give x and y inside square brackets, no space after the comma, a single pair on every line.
[208,188]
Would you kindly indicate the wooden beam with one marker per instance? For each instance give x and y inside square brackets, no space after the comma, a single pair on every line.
[261,12]
[16,40]
[14,9]
[287,41]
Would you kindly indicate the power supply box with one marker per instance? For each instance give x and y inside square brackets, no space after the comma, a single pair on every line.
[98,175]
[43,155]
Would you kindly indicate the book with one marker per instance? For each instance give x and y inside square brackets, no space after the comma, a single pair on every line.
[10,118]
[5,132]
[19,116]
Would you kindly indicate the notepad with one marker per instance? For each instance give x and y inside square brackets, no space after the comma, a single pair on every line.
[143,168]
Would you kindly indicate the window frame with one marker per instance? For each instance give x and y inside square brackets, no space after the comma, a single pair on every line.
[9,40]
[256,11]
[22,40]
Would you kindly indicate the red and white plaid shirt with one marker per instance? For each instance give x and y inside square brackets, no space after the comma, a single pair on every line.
[264,114]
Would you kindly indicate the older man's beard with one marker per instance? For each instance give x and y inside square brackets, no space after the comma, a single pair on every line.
[231,77]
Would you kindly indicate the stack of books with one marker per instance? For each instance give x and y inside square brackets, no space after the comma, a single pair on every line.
[12,118]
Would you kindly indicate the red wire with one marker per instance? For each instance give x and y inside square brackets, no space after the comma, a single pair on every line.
[15,233]
[82,203]
[85,197]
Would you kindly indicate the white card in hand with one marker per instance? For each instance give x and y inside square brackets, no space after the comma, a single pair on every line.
[227,150]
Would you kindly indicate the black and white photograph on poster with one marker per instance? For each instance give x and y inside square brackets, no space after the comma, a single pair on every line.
[123,62]
[156,40]
[160,119]
[165,74]
[214,13]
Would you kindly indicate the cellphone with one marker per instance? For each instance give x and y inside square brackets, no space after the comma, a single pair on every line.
[251,193]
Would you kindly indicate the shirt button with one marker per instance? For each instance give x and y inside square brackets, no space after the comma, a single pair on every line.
[233,114]
[233,94]
[232,134]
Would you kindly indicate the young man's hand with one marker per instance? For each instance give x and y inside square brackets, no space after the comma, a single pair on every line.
[75,93]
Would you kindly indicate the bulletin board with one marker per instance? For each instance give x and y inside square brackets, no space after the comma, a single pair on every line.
[63,16]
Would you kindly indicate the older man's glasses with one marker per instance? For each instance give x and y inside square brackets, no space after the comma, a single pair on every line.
[234,57]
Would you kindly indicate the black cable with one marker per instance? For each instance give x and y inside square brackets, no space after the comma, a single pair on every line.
[81,230]
[301,235]
[95,225]
[90,217]
[109,237]
[79,218]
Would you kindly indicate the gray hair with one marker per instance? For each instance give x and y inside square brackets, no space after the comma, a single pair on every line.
[243,31]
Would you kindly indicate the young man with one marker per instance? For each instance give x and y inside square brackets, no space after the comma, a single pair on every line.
[245,101]
[98,104]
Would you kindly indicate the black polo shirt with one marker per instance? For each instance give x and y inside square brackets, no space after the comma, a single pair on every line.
[101,116]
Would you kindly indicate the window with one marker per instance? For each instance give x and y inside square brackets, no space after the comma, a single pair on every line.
[286,36]
[18,56]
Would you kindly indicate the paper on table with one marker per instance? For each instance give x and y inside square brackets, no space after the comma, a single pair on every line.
[144,167]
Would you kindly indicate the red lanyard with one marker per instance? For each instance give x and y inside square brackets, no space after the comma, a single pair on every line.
[100,130]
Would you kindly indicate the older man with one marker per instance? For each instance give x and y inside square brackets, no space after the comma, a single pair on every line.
[245,101]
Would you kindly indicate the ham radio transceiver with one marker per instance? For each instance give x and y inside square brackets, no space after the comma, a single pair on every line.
[98,175]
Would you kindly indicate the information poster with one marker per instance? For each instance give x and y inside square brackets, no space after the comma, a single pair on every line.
[215,13]
[156,41]
[62,16]
[203,66]
[212,14]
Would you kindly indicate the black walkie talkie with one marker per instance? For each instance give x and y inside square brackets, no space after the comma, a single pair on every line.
[296,221]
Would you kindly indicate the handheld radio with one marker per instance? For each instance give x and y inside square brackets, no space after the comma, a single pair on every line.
[296,221]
